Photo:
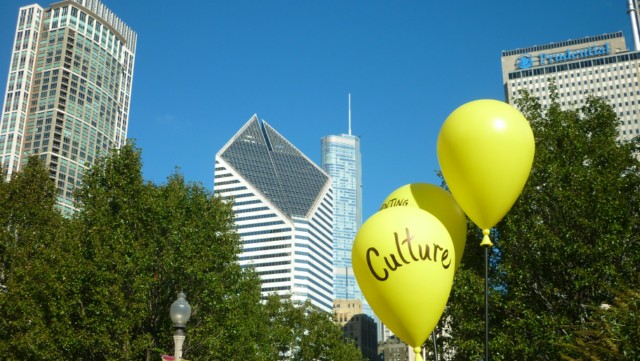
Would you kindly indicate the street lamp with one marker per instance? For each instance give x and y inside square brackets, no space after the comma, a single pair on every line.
[180,313]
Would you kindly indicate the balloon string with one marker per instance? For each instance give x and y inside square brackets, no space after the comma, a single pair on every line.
[417,351]
[486,241]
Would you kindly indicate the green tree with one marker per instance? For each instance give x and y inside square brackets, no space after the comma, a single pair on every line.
[569,244]
[462,324]
[200,254]
[29,253]
[141,244]
[301,332]
[611,334]
[98,286]
[323,340]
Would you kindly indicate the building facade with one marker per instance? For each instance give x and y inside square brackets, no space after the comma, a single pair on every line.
[342,161]
[393,349]
[68,91]
[357,326]
[283,206]
[596,65]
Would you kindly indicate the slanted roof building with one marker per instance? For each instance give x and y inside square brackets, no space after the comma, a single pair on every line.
[283,205]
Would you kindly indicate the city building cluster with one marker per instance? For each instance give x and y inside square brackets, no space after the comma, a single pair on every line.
[67,101]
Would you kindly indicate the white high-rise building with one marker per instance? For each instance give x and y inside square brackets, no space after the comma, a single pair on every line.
[283,205]
[68,91]
[599,65]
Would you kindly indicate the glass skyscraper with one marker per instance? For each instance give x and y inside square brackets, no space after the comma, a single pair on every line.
[283,206]
[68,91]
[341,160]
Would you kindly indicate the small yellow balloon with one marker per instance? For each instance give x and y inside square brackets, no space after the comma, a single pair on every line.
[485,150]
[404,260]
[439,203]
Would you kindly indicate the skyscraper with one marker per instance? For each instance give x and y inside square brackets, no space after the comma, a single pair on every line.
[595,65]
[68,90]
[283,205]
[342,161]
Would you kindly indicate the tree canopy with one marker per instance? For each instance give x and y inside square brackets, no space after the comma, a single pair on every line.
[570,244]
[98,285]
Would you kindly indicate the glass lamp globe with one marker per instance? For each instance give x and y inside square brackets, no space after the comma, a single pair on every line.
[180,311]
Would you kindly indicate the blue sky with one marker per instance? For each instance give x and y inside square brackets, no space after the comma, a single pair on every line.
[203,68]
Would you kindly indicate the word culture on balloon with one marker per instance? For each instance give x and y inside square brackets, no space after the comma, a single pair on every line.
[423,254]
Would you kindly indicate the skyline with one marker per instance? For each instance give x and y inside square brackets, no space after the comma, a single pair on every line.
[202,70]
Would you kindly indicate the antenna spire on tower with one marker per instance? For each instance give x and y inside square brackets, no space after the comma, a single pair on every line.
[349,113]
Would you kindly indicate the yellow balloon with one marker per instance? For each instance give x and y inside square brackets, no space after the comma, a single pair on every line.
[439,203]
[485,150]
[404,260]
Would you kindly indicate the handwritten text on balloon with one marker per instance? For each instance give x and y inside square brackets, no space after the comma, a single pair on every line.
[393,261]
[395,202]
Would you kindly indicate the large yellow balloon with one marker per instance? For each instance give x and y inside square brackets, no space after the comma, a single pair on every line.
[439,203]
[404,262]
[485,150]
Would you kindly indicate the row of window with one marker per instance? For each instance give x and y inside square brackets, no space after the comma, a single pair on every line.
[327,271]
[272,272]
[263,256]
[267,264]
[327,302]
[264,240]
[266,248]
[561,84]
[325,235]
[313,281]
[267,231]
[246,210]
[275,280]
[323,248]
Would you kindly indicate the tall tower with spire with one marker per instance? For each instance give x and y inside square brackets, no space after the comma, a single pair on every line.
[341,159]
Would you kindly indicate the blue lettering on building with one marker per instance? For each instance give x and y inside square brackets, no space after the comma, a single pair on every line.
[526,61]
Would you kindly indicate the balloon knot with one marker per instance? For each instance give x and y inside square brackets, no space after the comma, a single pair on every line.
[486,241]
[417,351]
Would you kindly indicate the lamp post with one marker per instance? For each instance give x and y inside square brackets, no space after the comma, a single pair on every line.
[180,313]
